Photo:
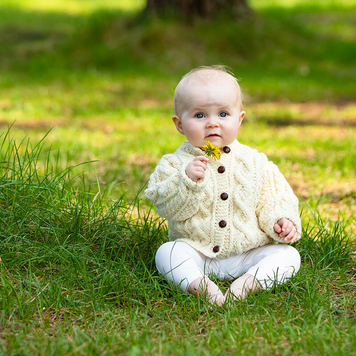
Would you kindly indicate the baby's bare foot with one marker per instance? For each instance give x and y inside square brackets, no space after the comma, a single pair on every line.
[204,286]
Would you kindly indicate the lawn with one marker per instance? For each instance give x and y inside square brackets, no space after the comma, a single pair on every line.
[86,97]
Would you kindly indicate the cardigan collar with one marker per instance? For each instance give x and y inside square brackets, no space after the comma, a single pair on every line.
[196,151]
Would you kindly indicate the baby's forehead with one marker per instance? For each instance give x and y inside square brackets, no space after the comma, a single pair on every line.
[206,77]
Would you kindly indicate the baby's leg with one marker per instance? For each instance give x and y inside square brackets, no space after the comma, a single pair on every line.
[179,263]
[262,267]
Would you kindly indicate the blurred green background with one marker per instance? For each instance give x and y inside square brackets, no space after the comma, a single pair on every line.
[102,77]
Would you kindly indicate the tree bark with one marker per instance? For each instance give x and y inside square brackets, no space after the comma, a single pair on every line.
[198,8]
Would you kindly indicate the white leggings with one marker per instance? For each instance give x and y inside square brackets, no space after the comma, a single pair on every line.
[180,263]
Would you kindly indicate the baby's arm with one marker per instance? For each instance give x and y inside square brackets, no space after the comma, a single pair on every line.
[196,169]
[176,196]
[277,207]
[286,229]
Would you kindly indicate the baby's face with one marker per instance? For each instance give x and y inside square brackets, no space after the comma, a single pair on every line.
[210,112]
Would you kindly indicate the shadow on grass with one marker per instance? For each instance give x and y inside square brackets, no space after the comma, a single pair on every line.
[281,121]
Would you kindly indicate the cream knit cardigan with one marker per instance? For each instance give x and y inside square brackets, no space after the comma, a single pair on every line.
[257,197]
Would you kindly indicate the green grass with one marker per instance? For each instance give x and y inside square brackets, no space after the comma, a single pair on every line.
[77,277]
[77,240]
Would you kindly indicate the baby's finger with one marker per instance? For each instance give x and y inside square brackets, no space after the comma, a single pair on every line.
[277,228]
[200,170]
[282,223]
[200,164]
[202,159]
[285,231]
[293,239]
[287,225]
[291,235]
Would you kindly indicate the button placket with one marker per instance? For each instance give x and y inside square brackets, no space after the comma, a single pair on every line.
[223,186]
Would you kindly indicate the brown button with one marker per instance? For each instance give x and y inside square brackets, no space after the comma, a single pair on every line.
[224,196]
[222,223]
[226,149]
[221,169]
[216,249]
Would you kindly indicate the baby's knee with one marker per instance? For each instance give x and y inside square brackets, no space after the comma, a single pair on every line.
[164,249]
[289,258]
[177,262]
[162,256]
[294,258]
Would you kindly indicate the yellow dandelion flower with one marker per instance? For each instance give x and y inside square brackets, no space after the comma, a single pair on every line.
[211,151]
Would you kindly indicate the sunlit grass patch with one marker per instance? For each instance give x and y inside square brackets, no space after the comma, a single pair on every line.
[74,7]
[304,114]
[305,4]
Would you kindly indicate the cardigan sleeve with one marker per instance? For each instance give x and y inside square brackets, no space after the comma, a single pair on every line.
[276,201]
[175,196]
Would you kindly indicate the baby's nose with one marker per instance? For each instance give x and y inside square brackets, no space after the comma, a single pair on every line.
[212,122]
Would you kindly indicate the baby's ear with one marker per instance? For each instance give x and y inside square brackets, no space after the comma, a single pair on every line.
[241,116]
[177,121]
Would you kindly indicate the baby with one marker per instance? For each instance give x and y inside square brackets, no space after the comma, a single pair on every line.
[225,216]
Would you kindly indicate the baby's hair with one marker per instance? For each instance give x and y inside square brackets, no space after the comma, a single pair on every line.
[214,71]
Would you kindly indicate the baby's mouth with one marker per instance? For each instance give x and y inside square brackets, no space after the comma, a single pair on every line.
[213,135]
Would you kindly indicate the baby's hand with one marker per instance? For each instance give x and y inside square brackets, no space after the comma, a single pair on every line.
[285,228]
[196,169]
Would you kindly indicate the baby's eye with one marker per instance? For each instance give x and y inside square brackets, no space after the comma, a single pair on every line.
[223,114]
[199,116]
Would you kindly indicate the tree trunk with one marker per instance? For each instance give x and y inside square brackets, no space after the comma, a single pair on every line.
[198,8]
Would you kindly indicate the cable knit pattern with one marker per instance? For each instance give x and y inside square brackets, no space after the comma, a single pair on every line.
[257,197]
